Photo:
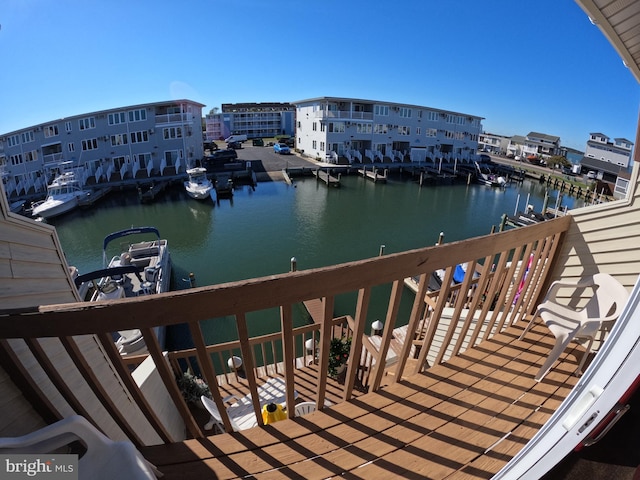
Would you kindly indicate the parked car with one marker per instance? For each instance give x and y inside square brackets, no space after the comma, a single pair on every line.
[281,148]
[234,145]
[591,175]
[258,142]
[229,154]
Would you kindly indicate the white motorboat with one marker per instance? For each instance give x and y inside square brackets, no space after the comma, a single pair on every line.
[485,176]
[198,186]
[63,195]
[141,268]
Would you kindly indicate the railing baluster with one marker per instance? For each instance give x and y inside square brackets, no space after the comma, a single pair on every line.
[387,333]
[169,381]
[247,359]
[414,318]
[326,333]
[206,365]
[362,307]
[288,353]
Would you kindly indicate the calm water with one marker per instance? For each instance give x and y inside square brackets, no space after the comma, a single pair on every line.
[258,232]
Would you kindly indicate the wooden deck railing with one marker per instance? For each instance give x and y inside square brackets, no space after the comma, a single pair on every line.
[514,267]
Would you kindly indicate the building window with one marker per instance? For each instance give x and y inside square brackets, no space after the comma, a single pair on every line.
[27,137]
[382,110]
[16,159]
[86,123]
[119,139]
[13,140]
[172,132]
[404,130]
[68,126]
[363,128]
[50,131]
[314,127]
[405,112]
[138,137]
[322,146]
[116,118]
[71,147]
[31,156]
[336,127]
[138,115]
[418,130]
[91,144]
[313,144]
[432,116]
[380,128]
[323,127]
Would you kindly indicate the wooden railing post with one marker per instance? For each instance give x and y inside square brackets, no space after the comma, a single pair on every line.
[362,307]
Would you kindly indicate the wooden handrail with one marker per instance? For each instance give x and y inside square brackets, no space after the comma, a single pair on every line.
[475,309]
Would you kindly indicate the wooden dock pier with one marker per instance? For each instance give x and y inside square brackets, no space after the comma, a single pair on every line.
[315,309]
[327,178]
[373,175]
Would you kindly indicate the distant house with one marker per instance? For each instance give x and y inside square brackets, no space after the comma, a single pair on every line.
[541,145]
[491,143]
[609,160]
[516,146]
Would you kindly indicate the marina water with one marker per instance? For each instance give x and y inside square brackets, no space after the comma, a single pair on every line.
[262,228]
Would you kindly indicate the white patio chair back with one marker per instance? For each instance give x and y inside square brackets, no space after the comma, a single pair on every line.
[568,323]
[104,458]
[303,408]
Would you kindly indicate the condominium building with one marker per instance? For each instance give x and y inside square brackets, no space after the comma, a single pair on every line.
[134,142]
[345,130]
[255,120]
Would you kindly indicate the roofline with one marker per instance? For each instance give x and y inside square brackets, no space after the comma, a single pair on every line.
[596,16]
[362,100]
[103,111]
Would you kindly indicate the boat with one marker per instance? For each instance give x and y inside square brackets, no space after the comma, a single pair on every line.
[63,194]
[141,268]
[198,186]
[485,176]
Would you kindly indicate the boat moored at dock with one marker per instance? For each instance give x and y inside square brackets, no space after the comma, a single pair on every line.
[198,186]
[63,194]
[141,268]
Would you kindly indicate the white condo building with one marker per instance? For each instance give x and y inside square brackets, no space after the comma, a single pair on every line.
[348,130]
[136,142]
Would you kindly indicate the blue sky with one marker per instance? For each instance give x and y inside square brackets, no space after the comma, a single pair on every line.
[524,66]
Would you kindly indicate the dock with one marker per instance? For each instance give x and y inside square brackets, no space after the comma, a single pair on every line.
[154,190]
[93,196]
[315,309]
[373,175]
[327,178]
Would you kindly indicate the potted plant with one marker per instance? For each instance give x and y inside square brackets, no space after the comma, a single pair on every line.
[192,388]
[338,355]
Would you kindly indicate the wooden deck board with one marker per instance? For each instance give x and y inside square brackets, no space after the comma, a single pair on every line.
[447,421]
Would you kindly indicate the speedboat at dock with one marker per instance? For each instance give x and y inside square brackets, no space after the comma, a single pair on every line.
[141,268]
[63,195]
[198,186]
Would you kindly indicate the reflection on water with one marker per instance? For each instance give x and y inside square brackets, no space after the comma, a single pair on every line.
[259,232]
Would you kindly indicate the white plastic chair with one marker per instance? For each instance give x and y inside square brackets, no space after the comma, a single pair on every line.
[104,458]
[303,408]
[567,323]
[216,419]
